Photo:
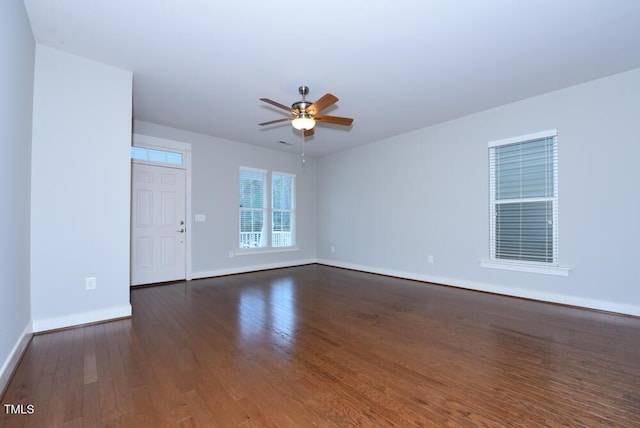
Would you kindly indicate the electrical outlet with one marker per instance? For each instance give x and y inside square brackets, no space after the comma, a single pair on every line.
[90,283]
[333,249]
[430,259]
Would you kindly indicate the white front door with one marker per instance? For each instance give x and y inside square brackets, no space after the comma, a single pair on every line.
[158,204]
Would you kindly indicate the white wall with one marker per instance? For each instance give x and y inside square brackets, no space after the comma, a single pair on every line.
[387,205]
[17,53]
[80,194]
[215,194]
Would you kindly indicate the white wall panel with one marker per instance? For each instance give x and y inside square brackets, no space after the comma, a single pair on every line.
[17,56]
[80,205]
[391,204]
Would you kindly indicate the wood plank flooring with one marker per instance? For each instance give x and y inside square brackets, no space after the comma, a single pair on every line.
[315,346]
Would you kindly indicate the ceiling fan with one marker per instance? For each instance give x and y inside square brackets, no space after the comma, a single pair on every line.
[305,114]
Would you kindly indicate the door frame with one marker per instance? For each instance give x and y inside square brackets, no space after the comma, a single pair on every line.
[149,142]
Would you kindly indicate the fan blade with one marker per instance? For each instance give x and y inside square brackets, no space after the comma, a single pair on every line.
[308,132]
[277,104]
[321,104]
[275,121]
[346,121]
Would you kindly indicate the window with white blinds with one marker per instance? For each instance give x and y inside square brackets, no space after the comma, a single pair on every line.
[264,202]
[252,208]
[523,180]
[282,210]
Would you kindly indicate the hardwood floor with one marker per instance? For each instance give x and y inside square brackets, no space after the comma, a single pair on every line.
[320,346]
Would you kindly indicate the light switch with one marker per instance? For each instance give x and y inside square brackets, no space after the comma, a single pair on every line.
[201,217]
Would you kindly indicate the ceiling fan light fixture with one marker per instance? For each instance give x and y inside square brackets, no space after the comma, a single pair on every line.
[303,122]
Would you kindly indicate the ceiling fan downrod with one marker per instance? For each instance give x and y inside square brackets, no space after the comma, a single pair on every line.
[303,90]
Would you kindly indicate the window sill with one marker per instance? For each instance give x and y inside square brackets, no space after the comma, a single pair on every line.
[526,267]
[263,250]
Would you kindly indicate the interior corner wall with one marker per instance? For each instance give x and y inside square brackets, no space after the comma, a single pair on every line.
[214,186]
[386,206]
[17,53]
[80,190]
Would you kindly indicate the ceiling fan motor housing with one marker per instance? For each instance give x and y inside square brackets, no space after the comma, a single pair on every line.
[301,106]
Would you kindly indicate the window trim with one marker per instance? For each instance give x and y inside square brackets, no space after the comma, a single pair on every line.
[263,209]
[263,250]
[268,216]
[550,268]
[531,267]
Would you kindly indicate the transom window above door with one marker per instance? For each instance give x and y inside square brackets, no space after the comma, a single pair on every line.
[155,155]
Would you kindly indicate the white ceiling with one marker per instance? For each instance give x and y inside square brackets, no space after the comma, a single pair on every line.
[201,65]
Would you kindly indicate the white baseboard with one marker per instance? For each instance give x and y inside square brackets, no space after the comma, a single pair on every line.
[252,268]
[81,318]
[14,358]
[496,289]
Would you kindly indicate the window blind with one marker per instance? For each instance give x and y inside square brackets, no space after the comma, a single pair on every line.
[252,208]
[524,198]
[282,206]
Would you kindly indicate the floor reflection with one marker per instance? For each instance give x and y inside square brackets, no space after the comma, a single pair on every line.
[252,313]
[283,311]
[269,313]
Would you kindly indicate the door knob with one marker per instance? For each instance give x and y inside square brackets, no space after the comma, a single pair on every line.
[180,230]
